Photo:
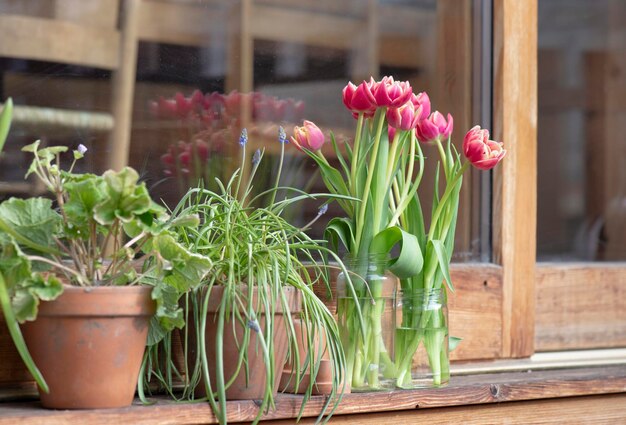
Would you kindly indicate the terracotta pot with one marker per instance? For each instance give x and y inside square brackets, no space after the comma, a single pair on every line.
[89,343]
[324,379]
[254,388]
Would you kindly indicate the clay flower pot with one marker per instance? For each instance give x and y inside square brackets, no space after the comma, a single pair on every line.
[252,388]
[323,381]
[89,343]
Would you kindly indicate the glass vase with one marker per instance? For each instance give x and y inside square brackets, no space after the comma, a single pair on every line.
[365,310]
[421,340]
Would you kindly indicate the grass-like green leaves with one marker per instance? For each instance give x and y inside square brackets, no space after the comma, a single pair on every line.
[255,253]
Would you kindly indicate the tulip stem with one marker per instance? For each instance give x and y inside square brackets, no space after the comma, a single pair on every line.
[444,198]
[355,155]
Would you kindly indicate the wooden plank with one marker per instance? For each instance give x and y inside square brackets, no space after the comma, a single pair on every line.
[580,306]
[58,41]
[178,22]
[298,26]
[123,88]
[475,311]
[463,391]
[592,410]
[86,12]
[515,182]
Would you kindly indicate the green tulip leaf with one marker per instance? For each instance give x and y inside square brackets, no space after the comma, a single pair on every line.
[409,261]
[339,229]
[454,342]
[5,121]
[444,263]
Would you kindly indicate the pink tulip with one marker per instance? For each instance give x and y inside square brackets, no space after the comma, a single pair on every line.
[404,117]
[434,128]
[309,136]
[483,153]
[390,93]
[359,99]
[421,100]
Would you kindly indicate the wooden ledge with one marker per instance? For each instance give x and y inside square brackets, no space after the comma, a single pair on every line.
[463,390]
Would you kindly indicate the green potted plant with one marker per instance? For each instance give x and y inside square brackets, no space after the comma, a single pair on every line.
[240,320]
[84,273]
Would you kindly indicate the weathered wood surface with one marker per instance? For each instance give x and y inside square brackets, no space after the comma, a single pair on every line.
[515,182]
[580,306]
[463,391]
[581,410]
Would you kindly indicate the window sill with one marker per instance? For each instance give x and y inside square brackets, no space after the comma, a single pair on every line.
[476,389]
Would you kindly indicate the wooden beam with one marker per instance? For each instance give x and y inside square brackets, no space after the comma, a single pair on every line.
[515,203]
[27,37]
[123,92]
[580,306]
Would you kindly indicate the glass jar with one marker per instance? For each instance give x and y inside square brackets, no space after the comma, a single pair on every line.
[366,318]
[421,340]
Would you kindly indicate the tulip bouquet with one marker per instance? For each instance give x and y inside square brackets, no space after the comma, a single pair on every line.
[383,168]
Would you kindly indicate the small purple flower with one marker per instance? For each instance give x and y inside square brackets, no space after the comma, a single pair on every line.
[252,324]
[256,158]
[322,210]
[243,139]
[82,149]
[282,136]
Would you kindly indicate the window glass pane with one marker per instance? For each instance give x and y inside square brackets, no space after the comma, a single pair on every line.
[252,63]
[582,118]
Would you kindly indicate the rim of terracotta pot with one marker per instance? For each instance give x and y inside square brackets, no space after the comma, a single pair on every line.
[100,301]
[293,294]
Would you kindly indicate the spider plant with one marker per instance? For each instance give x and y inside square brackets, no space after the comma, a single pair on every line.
[256,254]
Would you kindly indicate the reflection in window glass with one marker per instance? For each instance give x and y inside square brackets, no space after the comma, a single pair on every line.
[582,118]
[206,69]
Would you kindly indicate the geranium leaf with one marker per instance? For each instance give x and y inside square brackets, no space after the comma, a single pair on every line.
[124,198]
[32,222]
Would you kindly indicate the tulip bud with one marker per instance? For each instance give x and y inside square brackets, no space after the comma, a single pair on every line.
[404,117]
[390,93]
[359,99]
[309,136]
[421,100]
[434,128]
[483,153]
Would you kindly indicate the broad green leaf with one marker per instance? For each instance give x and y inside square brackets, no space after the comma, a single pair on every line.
[444,264]
[409,261]
[32,147]
[32,220]
[339,229]
[5,121]
[83,196]
[168,315]
[24,305]
[124,198]
[185,269]
[45,288]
